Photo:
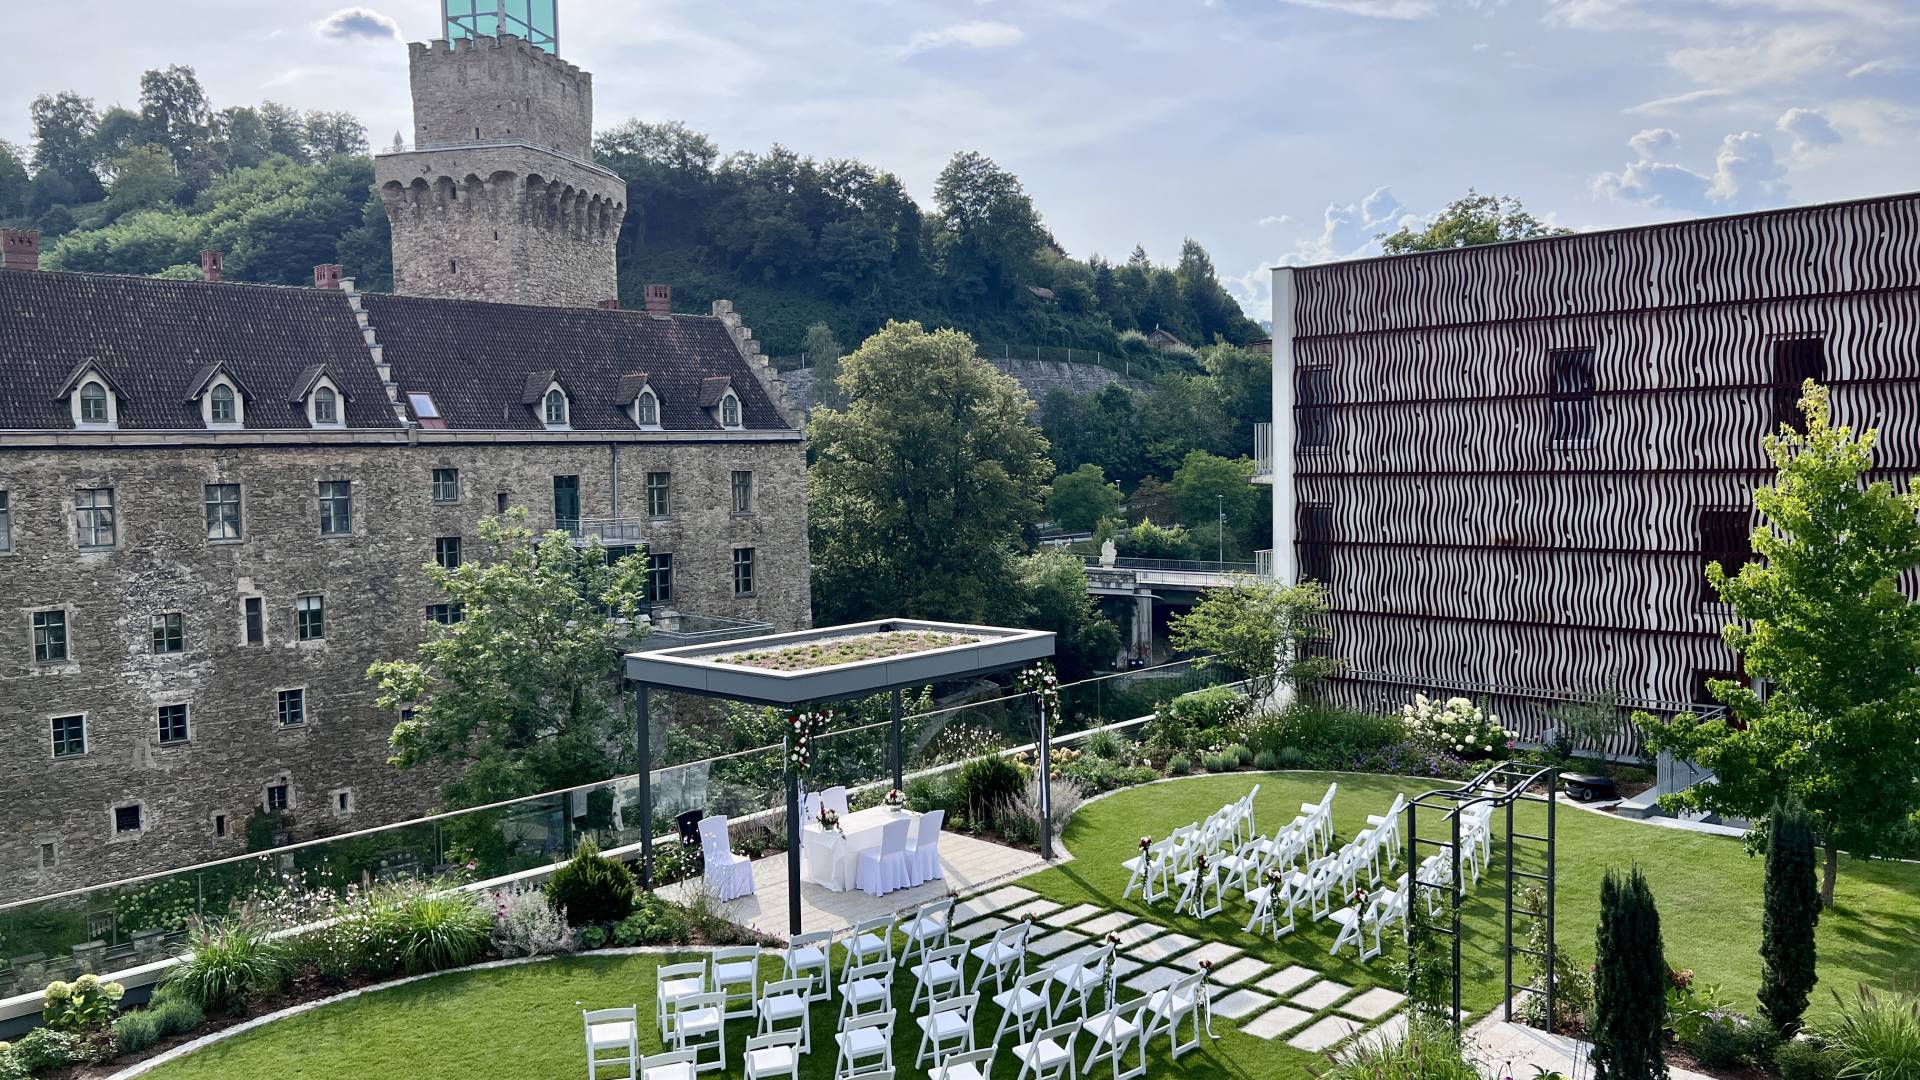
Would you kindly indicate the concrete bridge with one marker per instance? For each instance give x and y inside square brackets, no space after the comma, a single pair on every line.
[1138,580]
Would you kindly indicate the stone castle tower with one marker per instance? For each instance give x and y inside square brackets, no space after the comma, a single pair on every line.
[499,199]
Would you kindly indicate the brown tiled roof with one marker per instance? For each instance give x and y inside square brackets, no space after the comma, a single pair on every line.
[474,359]
[630,387]
[536,386]
[713,389]
[154,337]
[202,378]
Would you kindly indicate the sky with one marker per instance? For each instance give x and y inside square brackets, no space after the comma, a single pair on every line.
[1273,131]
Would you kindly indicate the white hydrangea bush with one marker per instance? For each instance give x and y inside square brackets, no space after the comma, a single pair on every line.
[1455,726]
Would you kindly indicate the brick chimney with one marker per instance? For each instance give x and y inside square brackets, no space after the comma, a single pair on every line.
[211,261]
[19,250]
[609,305]
[660,300]
[327,276]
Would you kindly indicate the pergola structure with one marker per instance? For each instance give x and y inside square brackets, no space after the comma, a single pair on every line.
[714,670]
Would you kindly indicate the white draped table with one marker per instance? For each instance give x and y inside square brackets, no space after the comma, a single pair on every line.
[831,859]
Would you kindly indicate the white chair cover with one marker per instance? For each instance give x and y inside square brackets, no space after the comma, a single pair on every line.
[728,875]
[886,869]
[835,799]
[924,852]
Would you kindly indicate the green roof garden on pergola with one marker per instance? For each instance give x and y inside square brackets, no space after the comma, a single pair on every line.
[809,667]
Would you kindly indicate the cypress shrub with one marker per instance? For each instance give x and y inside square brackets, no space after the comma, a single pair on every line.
[1787,923]
[592,888]
[1629,982]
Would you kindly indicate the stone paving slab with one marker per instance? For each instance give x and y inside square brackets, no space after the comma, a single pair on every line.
[1124,966]
[1162,947]
[1106,924]
[1387,1034]
[1374,1004]
[1287,980]
[1154,979]
[1320,995]
[1243,970]
[1325,1032]
[1076,914]
[1235,1004]
[981,929]
[1276,1022]
[1057,942]
[1034,909]
[1218,952]
[1146,931]
[969,910]
[1009,896]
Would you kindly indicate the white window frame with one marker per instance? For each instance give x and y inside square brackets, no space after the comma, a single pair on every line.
[239,406]
[239,512]
[322,497]
[565,423]
[300,607]
[433,484]
[733,492]
[112,511]
[113,405]
[305,715]
[339,420]
[6,523]
[266,799]
[739,411]
[648,396]
[753,572]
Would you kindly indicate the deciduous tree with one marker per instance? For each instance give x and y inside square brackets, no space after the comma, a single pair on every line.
[1260,630]
[1054,588]
[1470,220]
[1082,499]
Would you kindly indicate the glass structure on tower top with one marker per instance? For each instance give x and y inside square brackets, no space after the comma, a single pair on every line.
[535,21]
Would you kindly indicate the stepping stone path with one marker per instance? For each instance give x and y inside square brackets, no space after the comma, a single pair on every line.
[1163,946]
[981,929]
[1075,914]
[1320,995]
[1235,1004]
[1286,981]
[1124,966]
[1034,909]
[1373,1004]
[1058,942]
[1385,1035]
[1135,935]
[1153,979]
[1240,971]
[1011,896]
[1323,1033]
[1276,1022]
[1214,952]
[1106,924]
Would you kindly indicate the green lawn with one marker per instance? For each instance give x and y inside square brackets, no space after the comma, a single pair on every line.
[525,1021]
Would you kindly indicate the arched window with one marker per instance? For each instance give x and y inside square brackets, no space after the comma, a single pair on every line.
[220,404]
[556,406]
[93,404]
[326,406]
[729,411]
[647,409]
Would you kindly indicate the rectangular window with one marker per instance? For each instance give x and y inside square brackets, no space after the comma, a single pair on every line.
[279,797]
[445,614]
[660,577]
[219,824]
[93,517]
[1570,401]
[309,618]
[566,503]
[743,571]
[446,485]
[6,524]
[223,511]
[293,708]
[169,633]
[50,637]
[173,724]
[1314,395]
[256,620]
[1794,362]
[742,492]
[500,502]
[126,819]
[49,856]
[336,508]
[69,736]
[1726,537]
[446,552]
[1316,542]
[659,494]
[343,802]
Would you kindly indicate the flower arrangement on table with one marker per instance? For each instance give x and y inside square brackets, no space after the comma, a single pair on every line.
[829,819]
[894,799]
[803,729]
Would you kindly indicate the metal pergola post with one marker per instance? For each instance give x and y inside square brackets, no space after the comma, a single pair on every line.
[1046,780]
[899,767]
[793,842]
[643,739]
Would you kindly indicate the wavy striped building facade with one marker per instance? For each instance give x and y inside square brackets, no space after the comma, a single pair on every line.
[1510,464]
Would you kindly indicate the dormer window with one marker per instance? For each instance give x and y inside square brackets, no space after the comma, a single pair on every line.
[92,396]
[646,409]
[556,408]
[220,397]
[326,406]
[730,411]
[318,395]
[221,407]
[94,407]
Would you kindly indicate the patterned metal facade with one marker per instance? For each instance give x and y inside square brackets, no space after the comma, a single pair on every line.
[1512,463]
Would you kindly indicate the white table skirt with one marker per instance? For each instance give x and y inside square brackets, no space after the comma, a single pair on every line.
[831,860]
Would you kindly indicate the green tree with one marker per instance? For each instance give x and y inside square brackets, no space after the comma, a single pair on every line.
[15,186]
[1792,911]
[823,354]
[1150,541]
[1082,498]
[921,487]
[521,691]
[176,116]
[1243,379]
[1629,983]
[1053,585]
[1206,486]
[1824,622]
[1184,413]
[142,179]
[63,150]
[1260,630]
[987,232]
[1470,220]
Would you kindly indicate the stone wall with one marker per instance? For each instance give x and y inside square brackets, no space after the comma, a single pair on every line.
[499,90]
[375,597]
[1038,377]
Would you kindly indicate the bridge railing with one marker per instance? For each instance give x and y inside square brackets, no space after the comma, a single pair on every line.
[1195,566]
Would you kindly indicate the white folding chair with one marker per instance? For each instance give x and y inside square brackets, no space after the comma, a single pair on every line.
[777,1054]
[1272,903]
[974,1065]
[1200,892]
[1321,816]
[1150,871]
[729,876]
[1355,921]
[787,1001]
[835,799]
[672,1065]
[868,940]
[810,806]
[1167,1007]
[868,990]
[736,978]
[700,1025]
[1315,884]
[1113,1031]
[1241,867]
[1078,977]
[941,974]
[1023,1006]
[612,1039]
[1005,951]
[1244,830]
[1049,1054]
[946,1028]
[671,984]
[1386,828]
[930,928]
[866,1046]
[886,868]
[923,848]
[807,958]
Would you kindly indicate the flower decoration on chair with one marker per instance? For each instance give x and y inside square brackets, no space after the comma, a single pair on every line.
[894,799]
[1359,901]
[1146,844]
[1276,877]
[1041,681]
[803,729]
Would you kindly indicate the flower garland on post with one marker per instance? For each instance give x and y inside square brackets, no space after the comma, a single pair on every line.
[803,727]
[1041,681]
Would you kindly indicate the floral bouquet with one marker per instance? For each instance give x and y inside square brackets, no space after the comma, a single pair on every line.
[829,818]
[1146,844]
[1455,726]
[1276,877]
[895,799]
[1359,901]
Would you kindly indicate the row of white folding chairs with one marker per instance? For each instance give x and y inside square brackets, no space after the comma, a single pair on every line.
[1284,883]
[1167,864]
[1381,909]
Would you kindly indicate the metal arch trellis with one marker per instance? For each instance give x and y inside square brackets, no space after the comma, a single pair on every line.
[1502,786]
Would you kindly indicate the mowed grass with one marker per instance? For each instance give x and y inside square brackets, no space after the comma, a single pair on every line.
[525,1021]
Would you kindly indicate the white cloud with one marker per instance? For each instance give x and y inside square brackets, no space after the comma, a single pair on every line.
[1275,219]
[1654,143]
[977,34]
[359,24]
[1677,101]
[1808,128]
[1347,231]
[1745,175]
[1373,9]
[1883,66]
[1777,56]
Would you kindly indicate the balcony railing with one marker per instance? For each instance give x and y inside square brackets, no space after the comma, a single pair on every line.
[1263,453]
[611,532]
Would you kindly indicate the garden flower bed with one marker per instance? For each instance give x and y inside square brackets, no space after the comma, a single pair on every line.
[845,650]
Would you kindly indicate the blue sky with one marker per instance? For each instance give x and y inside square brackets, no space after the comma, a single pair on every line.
[1271,130]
